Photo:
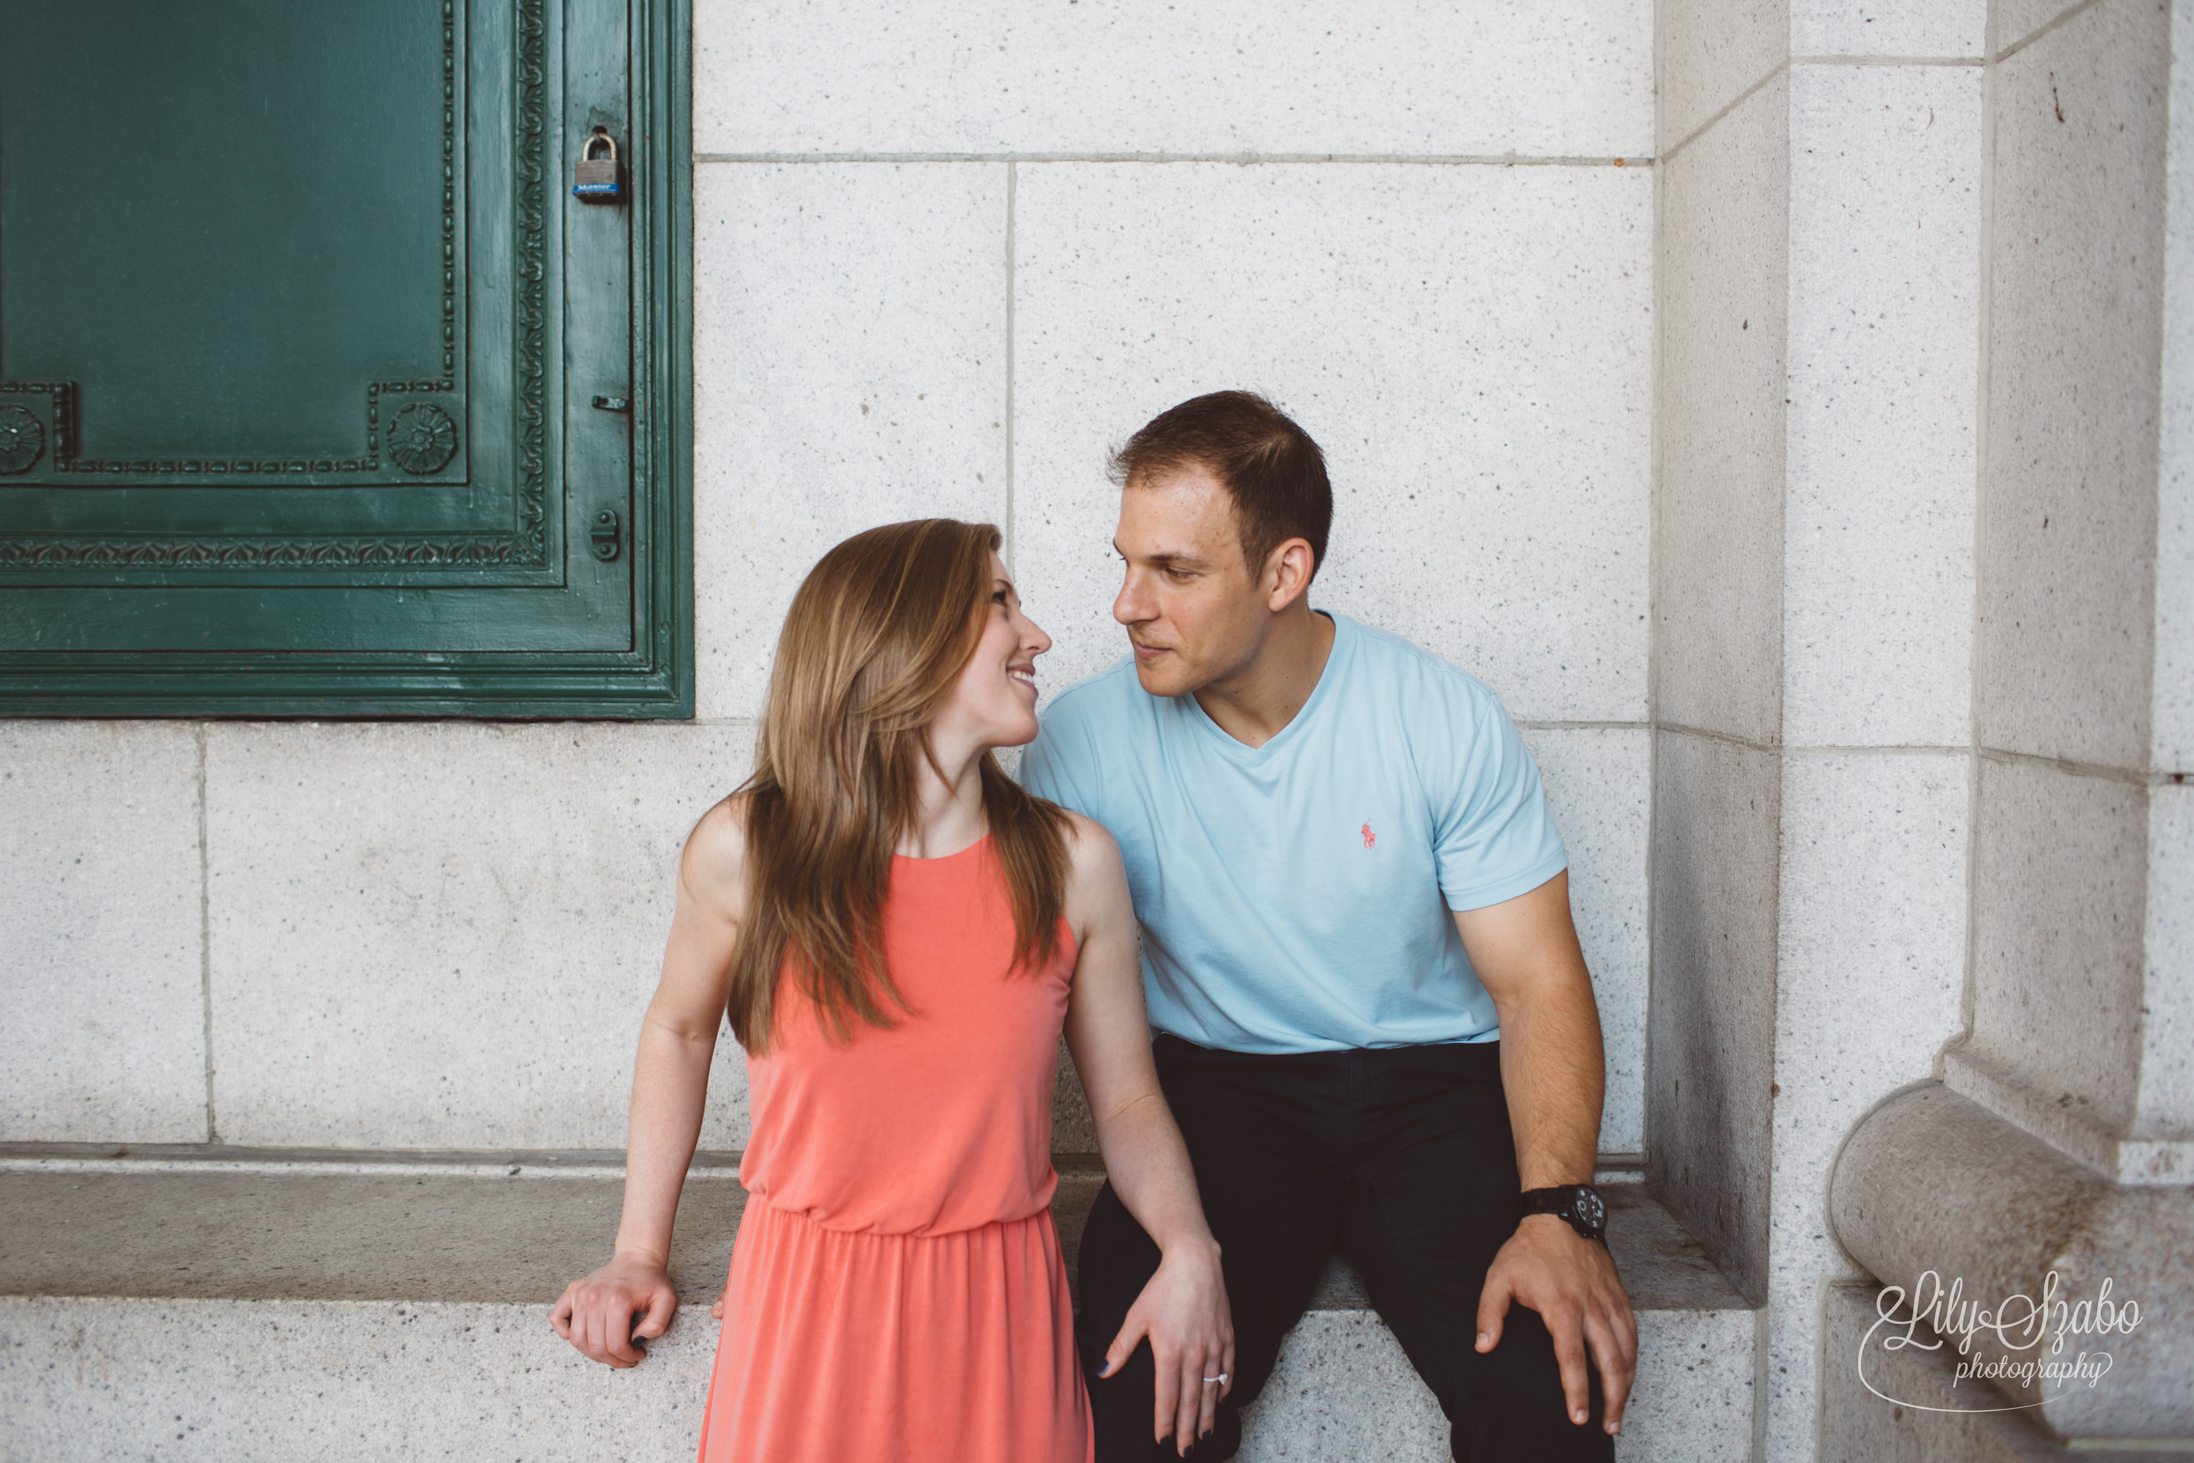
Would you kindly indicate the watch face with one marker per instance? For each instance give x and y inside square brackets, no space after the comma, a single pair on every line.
[1591,1208]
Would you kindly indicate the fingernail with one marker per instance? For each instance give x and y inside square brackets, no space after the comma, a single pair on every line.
[1579,1415]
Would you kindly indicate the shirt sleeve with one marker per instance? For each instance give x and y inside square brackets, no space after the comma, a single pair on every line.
[1493,835]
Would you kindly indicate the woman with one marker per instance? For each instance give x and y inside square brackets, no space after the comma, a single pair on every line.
[898,933]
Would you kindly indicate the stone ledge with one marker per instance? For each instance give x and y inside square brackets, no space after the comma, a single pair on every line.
[2068,1126]
[87,1380]
[509,1228]
[240,1305]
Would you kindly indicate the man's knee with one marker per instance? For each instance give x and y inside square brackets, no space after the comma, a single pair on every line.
[1510,1402]
[1116,1261]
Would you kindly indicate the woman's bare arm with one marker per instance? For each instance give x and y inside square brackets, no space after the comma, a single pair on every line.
[1183,1310]
[669,1089]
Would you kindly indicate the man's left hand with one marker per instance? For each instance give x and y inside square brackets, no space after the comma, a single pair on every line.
[1571,1282]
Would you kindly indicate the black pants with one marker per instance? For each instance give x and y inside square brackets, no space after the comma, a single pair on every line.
[1402,1160]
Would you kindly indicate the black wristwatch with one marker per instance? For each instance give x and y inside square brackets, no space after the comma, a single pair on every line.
[1580,1204]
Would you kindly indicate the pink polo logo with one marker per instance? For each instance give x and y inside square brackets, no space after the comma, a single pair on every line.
[1371,839]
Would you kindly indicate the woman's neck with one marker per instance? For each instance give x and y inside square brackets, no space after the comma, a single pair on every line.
[951,807]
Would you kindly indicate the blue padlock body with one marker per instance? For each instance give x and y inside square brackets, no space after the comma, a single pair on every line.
[597,190]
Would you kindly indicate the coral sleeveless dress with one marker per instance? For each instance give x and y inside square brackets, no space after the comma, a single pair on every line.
[897,1288]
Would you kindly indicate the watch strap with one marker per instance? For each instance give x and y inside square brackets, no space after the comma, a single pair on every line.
[1578,1204]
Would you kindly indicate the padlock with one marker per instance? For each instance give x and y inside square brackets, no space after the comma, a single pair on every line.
[596,180]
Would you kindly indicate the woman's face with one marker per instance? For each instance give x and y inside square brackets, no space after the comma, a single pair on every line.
[994,699]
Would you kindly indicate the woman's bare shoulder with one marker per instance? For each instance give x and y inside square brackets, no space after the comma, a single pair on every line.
[714,866]
[1092,855]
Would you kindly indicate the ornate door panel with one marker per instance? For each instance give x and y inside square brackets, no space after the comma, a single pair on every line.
[320,393]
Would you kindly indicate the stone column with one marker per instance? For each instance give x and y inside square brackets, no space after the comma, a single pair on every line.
[2062,1136]
[1821,206]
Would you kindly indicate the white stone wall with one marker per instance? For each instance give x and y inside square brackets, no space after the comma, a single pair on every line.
[945,255]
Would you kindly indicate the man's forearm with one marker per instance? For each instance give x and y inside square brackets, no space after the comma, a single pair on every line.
[1554,1074]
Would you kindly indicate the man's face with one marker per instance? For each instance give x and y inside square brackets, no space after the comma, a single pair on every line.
[1191,609]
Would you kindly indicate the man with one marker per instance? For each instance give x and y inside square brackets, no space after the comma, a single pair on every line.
[1375,1027]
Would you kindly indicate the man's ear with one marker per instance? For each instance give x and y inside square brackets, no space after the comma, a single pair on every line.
[1287,573]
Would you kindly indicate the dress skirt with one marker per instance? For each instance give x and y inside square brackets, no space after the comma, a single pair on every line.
[851,1347]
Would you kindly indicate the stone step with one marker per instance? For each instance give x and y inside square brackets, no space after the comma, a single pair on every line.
[198,1305]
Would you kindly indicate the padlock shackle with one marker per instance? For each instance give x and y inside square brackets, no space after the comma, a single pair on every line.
[586,151]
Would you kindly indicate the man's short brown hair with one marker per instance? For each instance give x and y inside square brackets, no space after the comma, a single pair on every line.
[1269,466]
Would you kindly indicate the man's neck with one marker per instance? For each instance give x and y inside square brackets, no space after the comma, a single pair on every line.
[1256,703]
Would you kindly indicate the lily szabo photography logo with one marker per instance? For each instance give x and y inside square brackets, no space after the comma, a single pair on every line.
[2056,1342]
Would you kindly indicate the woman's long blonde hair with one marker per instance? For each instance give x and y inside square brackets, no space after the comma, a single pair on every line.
[876,635]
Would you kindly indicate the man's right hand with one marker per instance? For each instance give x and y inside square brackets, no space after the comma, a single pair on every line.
[1571,1282]
[595,1314]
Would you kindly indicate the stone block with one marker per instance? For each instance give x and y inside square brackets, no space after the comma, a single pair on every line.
[1711,1026]
[1868,1417]
[1870,970]
[2017,21]
[444,935]
[1692,1402]
[2173,748]
[102,1028]
[1470,345]
[1883,372]
[1343,1388]
[1949,28]
[2060,873]
[849,370]
[1725,224]
[2164,1114]
[1712,51]
[1600,787]
[245,1381]
[2069,526]
[1570,78]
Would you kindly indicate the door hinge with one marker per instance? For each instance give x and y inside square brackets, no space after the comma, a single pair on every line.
[604,534]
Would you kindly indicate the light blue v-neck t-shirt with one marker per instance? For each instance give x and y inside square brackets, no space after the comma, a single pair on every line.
[1296,896]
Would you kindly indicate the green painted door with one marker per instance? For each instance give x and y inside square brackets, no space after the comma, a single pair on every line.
[320,392]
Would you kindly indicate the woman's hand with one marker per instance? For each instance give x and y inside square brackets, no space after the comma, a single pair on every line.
[1184,1313]
[1183,1310]
[595,1314]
